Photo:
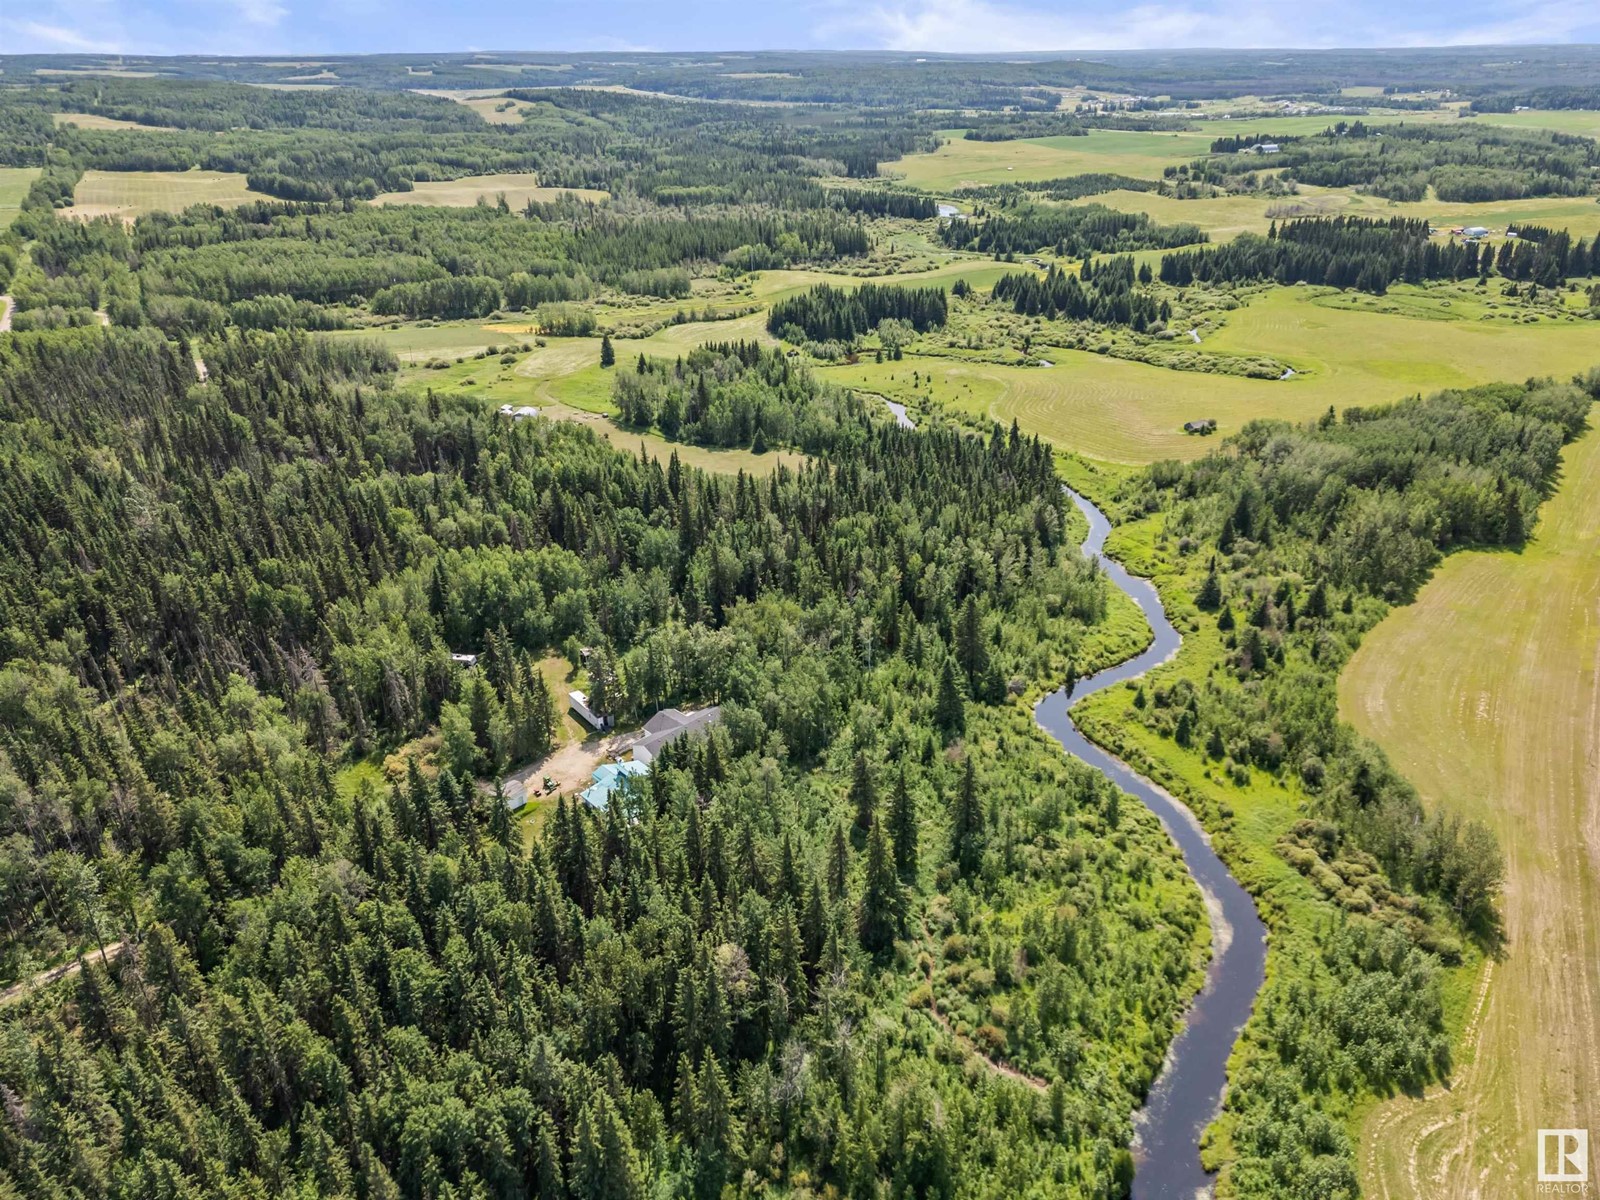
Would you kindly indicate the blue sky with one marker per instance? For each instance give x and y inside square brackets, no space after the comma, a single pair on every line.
[979,26]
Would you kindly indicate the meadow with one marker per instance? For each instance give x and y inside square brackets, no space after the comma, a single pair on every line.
[563,378]
[1486,694]
[1346,350]
[14,184]
[1136,153]
[128,194]
[1225,217]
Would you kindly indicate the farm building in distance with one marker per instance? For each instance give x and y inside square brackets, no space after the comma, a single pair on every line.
[464,660]
[668,724]
[1262,148]
[518,412]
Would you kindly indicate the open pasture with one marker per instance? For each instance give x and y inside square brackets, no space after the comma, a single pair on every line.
[14,185]
[1486,694]
[518,190]
[129,194]
[1132,412]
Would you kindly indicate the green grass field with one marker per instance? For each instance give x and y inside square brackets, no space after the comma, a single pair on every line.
[14,185]
[1225,217]
[1486,694]
[127,194]
[417,343]
[1141,155]
[463,193]
[1584,122]
[1132,412]
[959,162]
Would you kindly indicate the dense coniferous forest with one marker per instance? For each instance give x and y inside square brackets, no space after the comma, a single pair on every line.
[283,618]
[1073,232]
[1369,255]
[1460,162]
[1103,291]
[827,313]
[736,395]
[189,271]
[377,991]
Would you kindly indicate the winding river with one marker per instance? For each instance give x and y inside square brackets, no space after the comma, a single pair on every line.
[1188,1092]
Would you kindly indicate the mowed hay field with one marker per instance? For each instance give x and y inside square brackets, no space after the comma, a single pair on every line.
[1225,217]
[1132,412]
[960,162]
[91,121]
[14,185]
[1486,694]
[464,193]
[128,194]
[1139,154]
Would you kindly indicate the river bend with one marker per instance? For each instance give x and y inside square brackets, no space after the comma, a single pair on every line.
[1187,1094]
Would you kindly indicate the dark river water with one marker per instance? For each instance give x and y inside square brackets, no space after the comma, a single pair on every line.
[1188,1092]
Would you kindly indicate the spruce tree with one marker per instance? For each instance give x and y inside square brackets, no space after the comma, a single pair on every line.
[608,355]
[949,712]
[863,793]
[882,899]
[903,828]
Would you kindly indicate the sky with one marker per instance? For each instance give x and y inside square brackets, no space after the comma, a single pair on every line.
[971,26]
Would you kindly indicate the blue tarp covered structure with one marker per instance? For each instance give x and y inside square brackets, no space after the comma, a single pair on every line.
[606,777]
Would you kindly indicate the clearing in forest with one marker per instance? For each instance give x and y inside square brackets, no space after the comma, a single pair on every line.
[518,189]
[1347,349]
[129,194]
[1486,694]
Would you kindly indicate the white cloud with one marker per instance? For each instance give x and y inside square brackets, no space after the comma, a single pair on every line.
[55,39]
[265,13]
[1000,26]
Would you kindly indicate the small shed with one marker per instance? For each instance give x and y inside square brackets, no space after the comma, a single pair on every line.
[464,660]
[1203,426]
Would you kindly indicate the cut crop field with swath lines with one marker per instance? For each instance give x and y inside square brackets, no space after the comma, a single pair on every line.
[518,189]
[14,185]
[1486,694]
[128,194]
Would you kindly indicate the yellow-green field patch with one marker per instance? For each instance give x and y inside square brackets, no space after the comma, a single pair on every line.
[14,185]
[1132,412]
[959,162]
[518,190]
[128,194]
[91,121]
[1486,694]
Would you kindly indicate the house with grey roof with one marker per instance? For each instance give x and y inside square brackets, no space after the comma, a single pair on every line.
[670,723]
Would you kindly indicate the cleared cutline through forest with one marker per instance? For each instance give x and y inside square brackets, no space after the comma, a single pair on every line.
[1187,1095]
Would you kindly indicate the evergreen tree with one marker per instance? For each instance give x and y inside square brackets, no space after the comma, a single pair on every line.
[608,355]
[863,793]
[903,827]
[882,912]
[949,712]
[967,822]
